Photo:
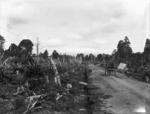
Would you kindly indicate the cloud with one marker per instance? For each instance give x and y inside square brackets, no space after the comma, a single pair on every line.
[14,21]
[52,42]
[99,41]
[82,13]
[74,37]
[76,25]
[15,12]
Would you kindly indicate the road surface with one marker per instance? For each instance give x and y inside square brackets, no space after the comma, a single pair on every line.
[128,96]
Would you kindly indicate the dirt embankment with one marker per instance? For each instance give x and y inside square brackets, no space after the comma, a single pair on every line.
[127,95]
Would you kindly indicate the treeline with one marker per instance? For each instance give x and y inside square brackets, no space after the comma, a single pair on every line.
[138,63]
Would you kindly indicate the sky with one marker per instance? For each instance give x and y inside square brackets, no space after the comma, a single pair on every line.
[75,26]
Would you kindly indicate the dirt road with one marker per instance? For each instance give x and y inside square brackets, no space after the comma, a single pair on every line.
[128,96]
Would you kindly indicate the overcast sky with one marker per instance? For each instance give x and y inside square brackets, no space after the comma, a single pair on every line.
[75,26]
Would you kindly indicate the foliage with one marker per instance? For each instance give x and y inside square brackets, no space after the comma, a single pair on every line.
[45,54]
[2,41]
[26,44]
[35,91]
[55,54]
[34,75]
[22,52]
[86,58]
[124,50]
[12,51]
[80,56]
[147,50]
[138,63]
[99,57]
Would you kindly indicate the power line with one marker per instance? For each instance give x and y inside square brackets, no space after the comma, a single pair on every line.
[10,32]
[37,44]
[16,34]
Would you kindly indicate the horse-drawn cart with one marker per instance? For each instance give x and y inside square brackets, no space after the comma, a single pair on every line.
[109,68]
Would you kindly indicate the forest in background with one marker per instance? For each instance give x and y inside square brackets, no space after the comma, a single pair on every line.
[138,63]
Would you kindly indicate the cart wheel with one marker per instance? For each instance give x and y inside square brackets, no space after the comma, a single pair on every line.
[109,73]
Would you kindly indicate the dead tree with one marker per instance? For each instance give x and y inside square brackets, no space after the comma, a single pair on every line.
[57,77]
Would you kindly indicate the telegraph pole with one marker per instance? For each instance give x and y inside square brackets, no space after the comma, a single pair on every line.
[37,46]
[37,49]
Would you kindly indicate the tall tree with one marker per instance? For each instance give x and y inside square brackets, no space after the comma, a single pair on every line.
[91,57]
[99,57]
[45,54]
[25,50]
[135,61]
[26,45]
[86,58]
[124,50]
[147,50]
[55,54]
[40,54]
[80,56]
[114,55]
[12,51]
[2,41]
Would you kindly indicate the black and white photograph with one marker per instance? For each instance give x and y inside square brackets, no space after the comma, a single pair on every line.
[74,57]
